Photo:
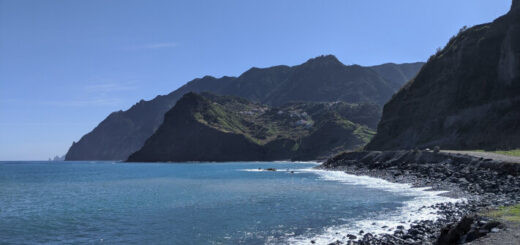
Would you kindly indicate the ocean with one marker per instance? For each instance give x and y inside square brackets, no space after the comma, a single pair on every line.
[198,203]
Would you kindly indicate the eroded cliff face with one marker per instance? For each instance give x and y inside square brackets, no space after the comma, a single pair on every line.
[467,96]
[515,4]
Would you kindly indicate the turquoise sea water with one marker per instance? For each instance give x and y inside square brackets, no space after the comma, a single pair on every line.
[203,203]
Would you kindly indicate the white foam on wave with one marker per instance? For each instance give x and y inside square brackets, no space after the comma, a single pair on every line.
[253,170]
[418,208]
[280,169]
[265,170]
[290,162]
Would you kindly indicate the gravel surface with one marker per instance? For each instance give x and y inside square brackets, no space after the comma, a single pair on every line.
[508,236]
[487,155]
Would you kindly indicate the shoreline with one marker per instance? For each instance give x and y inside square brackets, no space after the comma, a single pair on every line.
[424,203]
[485,184]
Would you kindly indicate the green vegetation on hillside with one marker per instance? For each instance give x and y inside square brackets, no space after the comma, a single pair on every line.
[365,134]
[209,127]
[262,124]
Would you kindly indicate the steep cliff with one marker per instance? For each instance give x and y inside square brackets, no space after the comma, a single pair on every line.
[320,79]
[467,96]
[208,127]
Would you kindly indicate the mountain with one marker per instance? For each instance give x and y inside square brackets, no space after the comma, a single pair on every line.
[322,79]
[210,127]
[467,96]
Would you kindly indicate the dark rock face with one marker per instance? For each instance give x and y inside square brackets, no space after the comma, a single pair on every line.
[181,129]
[466,97]
[121,133]
[320,79]
[208,127]
[453,235]
[468,229]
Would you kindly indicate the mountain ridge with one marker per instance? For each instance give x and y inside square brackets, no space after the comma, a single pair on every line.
[123,132]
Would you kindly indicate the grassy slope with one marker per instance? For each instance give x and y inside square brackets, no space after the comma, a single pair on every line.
[510,153]
[510,213]
[515,153]
[261,124]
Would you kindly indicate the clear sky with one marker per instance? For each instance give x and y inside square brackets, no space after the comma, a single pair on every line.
[65,65]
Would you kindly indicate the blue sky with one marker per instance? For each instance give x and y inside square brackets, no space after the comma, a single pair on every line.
[65,65]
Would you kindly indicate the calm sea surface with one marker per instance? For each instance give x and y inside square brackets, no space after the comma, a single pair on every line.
[204,203]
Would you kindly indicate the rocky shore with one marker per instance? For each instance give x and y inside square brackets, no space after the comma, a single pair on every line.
[484,183]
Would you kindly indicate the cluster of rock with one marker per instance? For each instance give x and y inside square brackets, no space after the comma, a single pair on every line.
[485,184]
[457,231]
[468,229]
[456,172]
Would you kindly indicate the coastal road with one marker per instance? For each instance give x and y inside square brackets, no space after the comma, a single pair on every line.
[487,155]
